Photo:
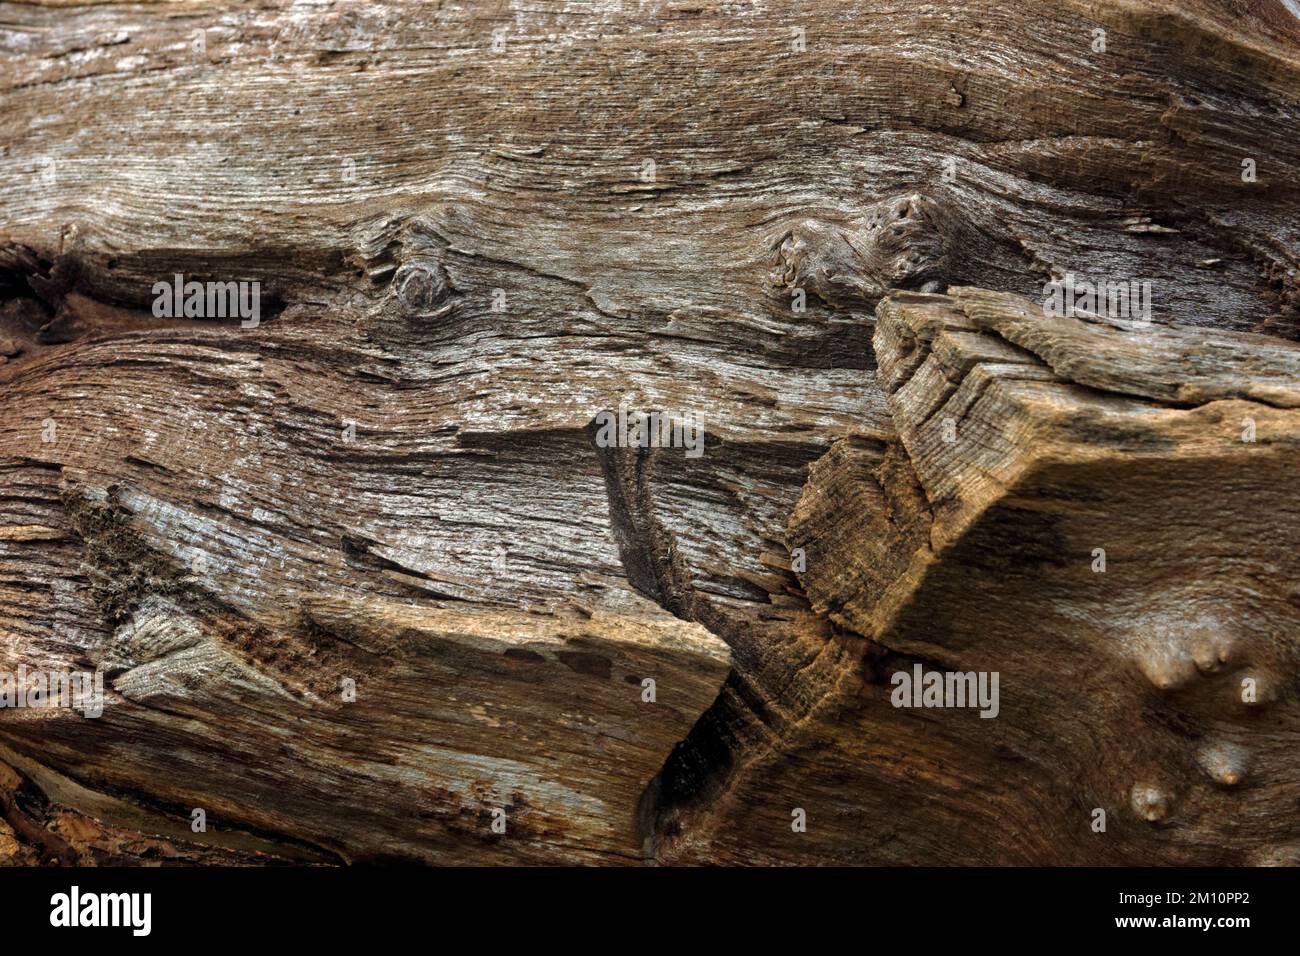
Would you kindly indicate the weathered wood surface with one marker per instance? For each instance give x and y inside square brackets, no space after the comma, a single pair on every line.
[464,258]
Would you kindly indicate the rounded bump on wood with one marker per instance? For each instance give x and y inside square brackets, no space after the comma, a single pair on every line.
[1224,763]
[1150,802]
[1211,649]
[1167,667]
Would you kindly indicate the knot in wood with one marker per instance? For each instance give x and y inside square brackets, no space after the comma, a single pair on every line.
[421,286]
[909,240]
[904,242]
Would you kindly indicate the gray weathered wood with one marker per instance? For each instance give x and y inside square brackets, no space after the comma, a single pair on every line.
[465,255]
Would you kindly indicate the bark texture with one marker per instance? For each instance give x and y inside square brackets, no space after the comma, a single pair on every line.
[822,227]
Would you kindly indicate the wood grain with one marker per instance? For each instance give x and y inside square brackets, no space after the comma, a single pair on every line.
[823,228]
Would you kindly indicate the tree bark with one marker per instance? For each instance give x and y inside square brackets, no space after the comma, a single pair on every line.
[365,579]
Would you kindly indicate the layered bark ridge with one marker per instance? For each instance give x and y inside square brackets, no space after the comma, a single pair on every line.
[477,228]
